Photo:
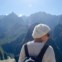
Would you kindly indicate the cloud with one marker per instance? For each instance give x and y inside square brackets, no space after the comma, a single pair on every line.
[20,15]
[6,14]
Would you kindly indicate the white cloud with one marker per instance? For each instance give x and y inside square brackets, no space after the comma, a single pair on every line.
[20,15]
[6,14]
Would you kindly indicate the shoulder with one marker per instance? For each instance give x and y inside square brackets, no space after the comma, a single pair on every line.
[50,50]
[49,55]
[28,43]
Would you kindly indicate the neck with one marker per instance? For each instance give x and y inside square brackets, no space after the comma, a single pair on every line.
[38,40]
[41,40]
[44,40]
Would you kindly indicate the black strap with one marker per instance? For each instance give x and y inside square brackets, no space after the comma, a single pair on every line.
[42,52]
[26,50]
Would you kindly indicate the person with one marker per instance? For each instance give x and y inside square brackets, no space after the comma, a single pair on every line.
[40,35]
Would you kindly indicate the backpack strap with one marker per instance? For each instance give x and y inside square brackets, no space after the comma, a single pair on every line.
[26,50]
[42,52]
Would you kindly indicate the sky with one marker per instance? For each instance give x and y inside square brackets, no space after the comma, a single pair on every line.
[28,7]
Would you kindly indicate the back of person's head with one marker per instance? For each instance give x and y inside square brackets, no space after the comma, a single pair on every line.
[40,30]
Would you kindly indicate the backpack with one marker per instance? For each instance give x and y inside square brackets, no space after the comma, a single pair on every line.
[38,58]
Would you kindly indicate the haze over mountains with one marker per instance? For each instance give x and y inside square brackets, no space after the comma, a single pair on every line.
[15,31]
[12,25]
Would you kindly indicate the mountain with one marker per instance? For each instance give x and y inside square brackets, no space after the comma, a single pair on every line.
[2,16]
[13,48]
[15,31]
[60,19]
[57,35]
[54,42]
[42,17]
[11,27]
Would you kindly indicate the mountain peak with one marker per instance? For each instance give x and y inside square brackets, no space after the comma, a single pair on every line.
[12,13]
[41,14]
